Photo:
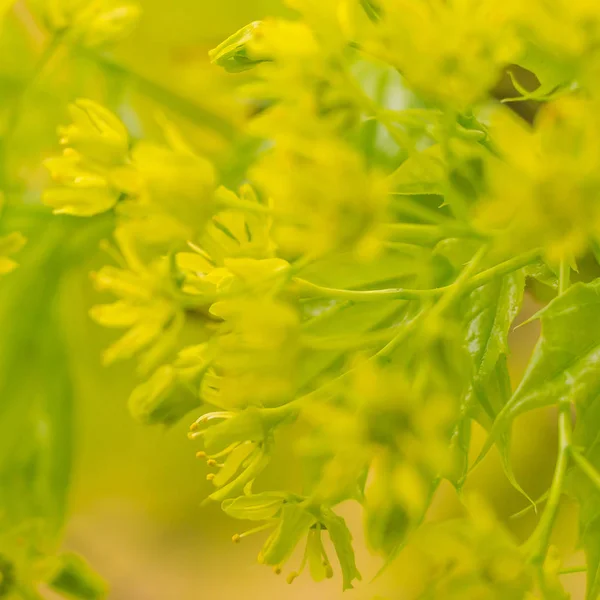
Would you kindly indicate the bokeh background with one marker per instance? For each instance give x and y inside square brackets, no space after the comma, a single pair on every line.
[134,500]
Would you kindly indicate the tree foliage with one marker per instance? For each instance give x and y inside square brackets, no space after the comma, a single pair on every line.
[346,269]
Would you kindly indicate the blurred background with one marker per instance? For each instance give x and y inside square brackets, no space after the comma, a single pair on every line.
[134,498]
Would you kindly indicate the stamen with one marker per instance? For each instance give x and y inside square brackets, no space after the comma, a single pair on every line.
[210,417]
[326,563]
[225,452]
[238,537]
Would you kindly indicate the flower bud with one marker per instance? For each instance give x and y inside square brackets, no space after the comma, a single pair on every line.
[232,54]
[159,401]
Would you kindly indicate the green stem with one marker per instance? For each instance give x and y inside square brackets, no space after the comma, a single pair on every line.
[503,268]
[159,93]
[455,201]
[449,295]
[347,342]
[564,277]
[427,233]
[412,207]
[308,289]
[569,570]
[583,463]
[461,285]
[538,543]
[16,109]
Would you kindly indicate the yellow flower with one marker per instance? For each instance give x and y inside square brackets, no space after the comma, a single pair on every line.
[545,189]
[473,557]
[452,51]
[327,199]
[96,133]
[149,306]
[92,173]
[304,80]
[256,353]
[232,54]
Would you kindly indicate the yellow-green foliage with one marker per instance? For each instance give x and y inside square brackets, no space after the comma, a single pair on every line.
[339,248]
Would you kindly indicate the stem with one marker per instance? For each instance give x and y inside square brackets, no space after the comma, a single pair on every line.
[503,268]
[569,570]
[429,233]
[411,207]
[537,545]
[455,201]
[449,295]
[584,464]
[309,289]
[461,285]
[564,277]
[163,95]
[14,114]
[347,342]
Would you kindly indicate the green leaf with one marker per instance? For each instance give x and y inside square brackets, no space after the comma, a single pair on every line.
[564,365]
[491,311]
[422,173]
[342,542]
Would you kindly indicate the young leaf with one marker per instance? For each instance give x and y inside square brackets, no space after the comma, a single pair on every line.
[491,311]
[423,173]
[564,365]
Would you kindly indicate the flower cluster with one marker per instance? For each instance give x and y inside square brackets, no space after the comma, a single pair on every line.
[355,285]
